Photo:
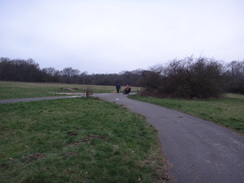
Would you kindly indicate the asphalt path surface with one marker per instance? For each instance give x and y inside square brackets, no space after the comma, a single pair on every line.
[199,151]
[6,101]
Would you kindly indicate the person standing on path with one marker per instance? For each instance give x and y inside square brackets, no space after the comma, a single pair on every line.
[118,87]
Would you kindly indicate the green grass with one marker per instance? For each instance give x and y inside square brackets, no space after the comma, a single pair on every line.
[76,140]
[13,90]
[226,111]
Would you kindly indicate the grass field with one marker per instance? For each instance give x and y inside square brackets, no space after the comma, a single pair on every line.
[13,90]
[89,140]
[228,111]
[76,140]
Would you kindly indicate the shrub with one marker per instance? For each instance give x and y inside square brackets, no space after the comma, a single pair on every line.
[187,78]
[234,77]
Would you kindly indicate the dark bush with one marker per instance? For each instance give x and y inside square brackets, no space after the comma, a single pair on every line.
[234,77]
[187,78]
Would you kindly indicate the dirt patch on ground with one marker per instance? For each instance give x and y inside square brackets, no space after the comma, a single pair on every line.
[72,133]
[33,157]
[87,139]
[68,154]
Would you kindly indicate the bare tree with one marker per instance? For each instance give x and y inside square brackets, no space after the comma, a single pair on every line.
[20,70]
[186,78]
[235,77]
[70,75]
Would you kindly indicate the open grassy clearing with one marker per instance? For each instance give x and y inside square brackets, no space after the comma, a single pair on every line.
[76,140]
[227,111]
[12,90]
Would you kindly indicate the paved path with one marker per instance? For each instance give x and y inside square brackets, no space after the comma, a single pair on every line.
[199,151]
[33,99]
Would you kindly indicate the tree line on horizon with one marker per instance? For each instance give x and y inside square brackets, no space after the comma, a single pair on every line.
[181,78]
[29,71]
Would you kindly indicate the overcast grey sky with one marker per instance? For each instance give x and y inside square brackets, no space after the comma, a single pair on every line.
[110,36]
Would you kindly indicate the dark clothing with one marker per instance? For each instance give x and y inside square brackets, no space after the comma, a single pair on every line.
[127,90]
[118,87]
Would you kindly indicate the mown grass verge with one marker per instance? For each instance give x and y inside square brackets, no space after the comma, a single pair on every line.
[226,111]
[13,90]
[76,140]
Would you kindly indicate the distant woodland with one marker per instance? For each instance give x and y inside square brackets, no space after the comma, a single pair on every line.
[184,78]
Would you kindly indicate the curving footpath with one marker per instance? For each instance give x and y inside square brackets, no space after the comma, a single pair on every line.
[198,151]
[7,101]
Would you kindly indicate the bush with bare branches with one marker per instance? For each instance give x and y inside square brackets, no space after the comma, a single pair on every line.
[186,78]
